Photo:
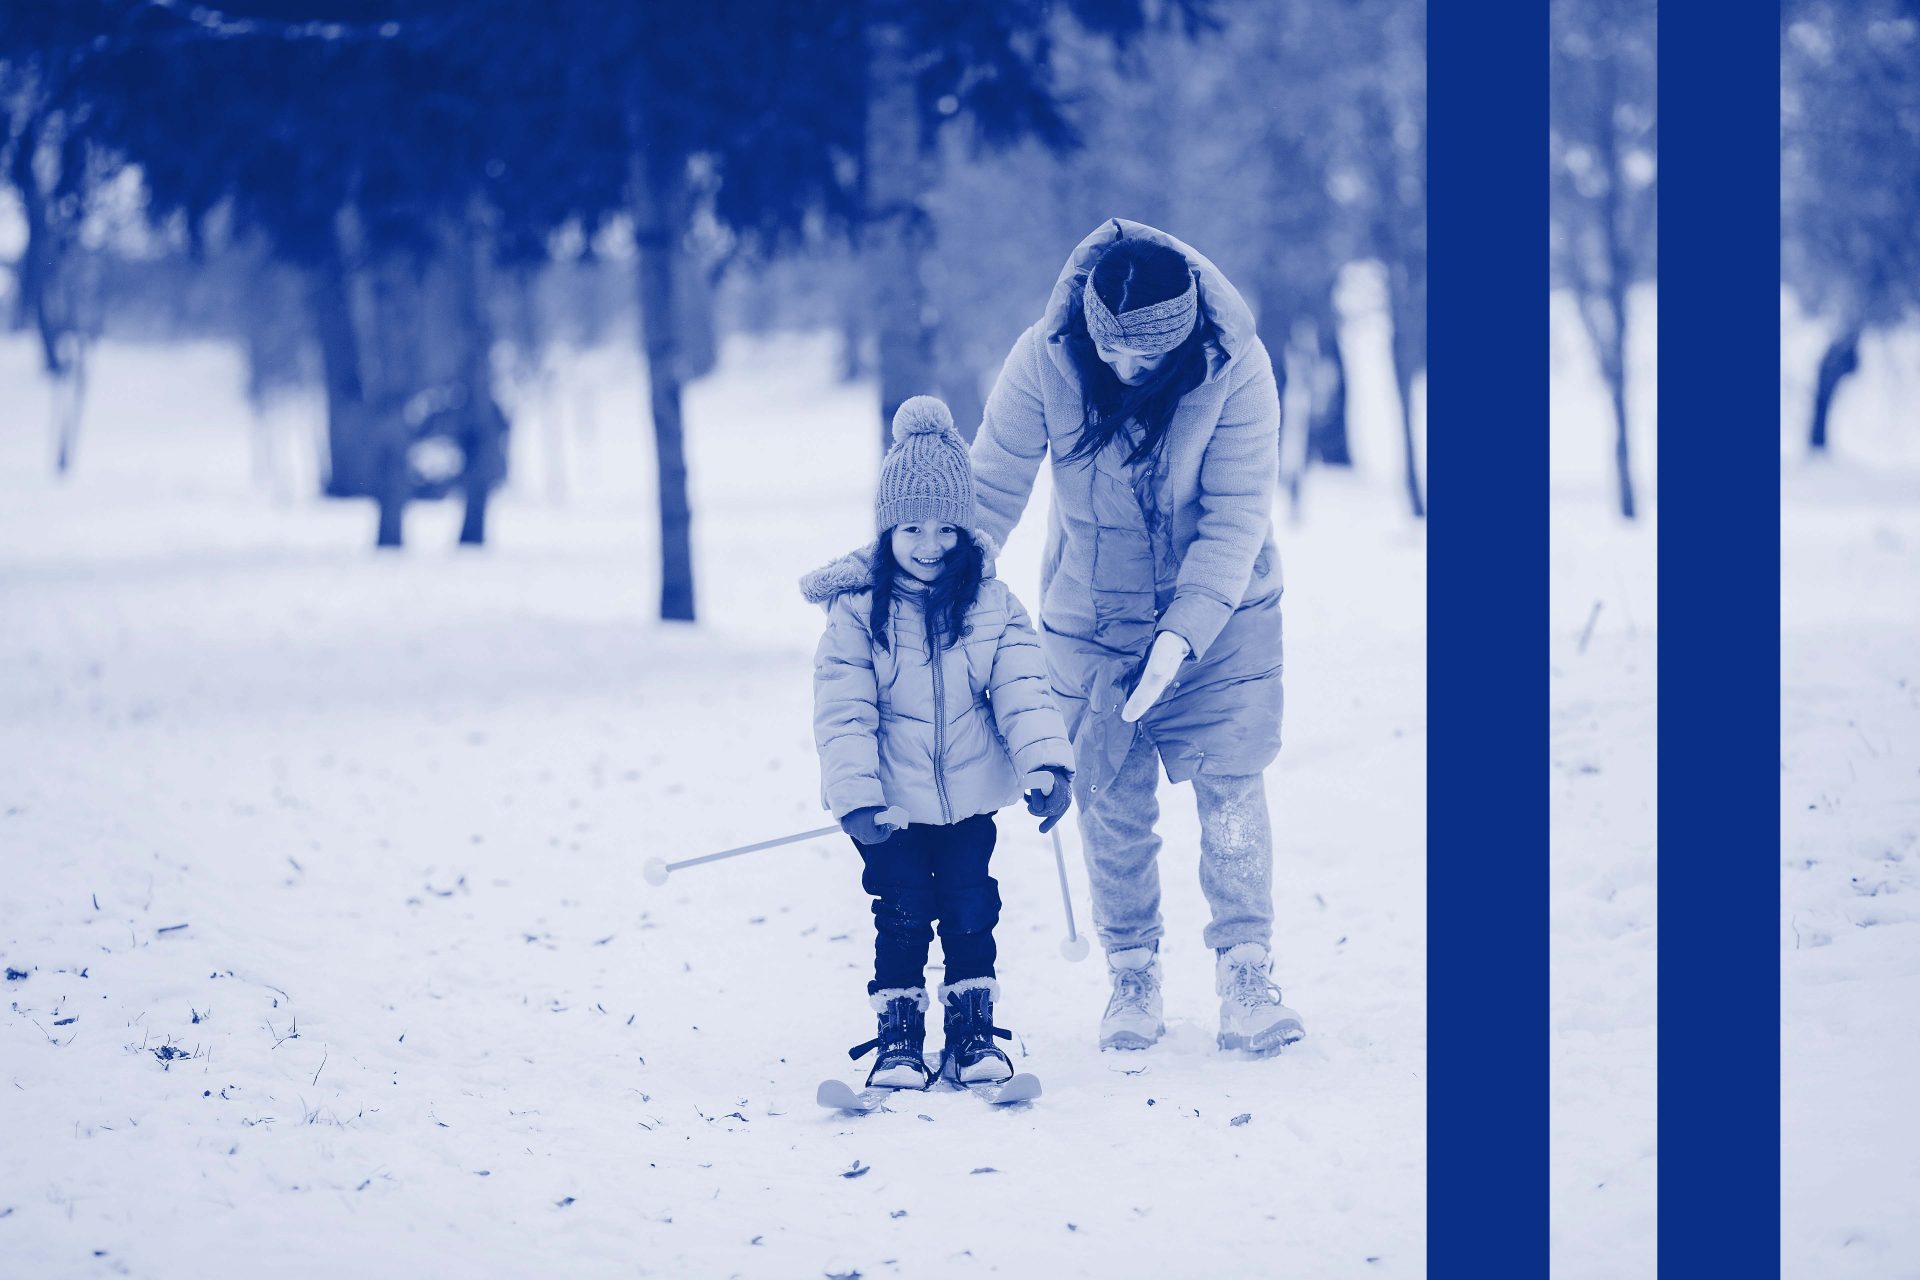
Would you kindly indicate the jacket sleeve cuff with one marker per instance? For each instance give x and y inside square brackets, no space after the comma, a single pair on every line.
[1045,753]
[863,795]
[1195,618]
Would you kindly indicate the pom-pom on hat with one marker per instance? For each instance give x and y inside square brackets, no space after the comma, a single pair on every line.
[926,475]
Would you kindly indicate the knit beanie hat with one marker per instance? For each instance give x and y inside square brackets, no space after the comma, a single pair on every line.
[926,475]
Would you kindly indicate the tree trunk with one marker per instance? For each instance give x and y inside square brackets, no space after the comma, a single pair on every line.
[1401,243]
[347,463]
[39,255]
[1613,365]
[1327,440]
[484,426]
[1622,460]
[896,232]
[1301,364]
[1611,340]
[391,528]
[1409,348]
[1842,358]
[1416,499]
[1274,325]
[693,312]
[853,325]
[69,400]
[661,206]
[393,359]
[48,300]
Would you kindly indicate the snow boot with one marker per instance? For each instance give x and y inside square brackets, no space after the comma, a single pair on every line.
[1251,1015]
[1132,1019]
[901,1063]
[970,1056]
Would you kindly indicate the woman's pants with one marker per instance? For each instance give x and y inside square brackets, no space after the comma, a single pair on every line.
[1122,852]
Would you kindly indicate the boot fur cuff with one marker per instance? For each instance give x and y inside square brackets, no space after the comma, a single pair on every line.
[886,995]
[988,985]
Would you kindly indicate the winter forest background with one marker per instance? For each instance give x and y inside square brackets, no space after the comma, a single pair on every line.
[1850,635]
[418,224]
[323,937]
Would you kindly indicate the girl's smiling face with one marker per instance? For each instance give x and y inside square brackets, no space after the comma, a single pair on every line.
[920,547]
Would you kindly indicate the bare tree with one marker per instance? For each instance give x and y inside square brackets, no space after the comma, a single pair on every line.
[661,209]
[896,230]
[54,171]
[1602,139]
[1850,173]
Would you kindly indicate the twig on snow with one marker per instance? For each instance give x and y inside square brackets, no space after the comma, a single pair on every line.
[1586,632]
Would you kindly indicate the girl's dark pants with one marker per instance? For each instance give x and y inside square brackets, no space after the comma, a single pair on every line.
[923,873]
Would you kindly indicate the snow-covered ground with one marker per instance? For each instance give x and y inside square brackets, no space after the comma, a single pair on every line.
[1602,648]
[322,884]
[1850,817]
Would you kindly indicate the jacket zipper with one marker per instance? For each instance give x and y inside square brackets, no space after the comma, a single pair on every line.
[935,657]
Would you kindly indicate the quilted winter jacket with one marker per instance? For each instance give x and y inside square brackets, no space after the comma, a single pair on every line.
[944,739]
[1100,604]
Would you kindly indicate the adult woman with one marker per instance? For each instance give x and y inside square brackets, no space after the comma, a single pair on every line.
[1160,595]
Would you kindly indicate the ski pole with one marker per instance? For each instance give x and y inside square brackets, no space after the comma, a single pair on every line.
[1073,946]
[657,870]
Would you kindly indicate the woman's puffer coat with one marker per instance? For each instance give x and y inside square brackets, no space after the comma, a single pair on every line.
[943,739]
[1100,604]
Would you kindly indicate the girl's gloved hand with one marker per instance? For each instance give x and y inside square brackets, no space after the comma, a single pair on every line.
[864,825]
[1050,806]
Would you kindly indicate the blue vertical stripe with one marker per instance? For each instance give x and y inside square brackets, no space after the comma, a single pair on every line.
[1719,639]
[1486,642]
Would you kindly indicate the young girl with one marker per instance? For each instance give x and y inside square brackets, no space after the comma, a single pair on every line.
[930,695]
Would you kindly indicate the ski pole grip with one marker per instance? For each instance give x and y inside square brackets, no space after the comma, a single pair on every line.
[1040,780]
[894,817]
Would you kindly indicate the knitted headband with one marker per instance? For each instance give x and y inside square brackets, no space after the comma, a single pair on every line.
[1153,330]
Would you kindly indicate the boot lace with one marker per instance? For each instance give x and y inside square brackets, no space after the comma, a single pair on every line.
[1251,985]
[970,1033]
[896,1033]
[1132,988]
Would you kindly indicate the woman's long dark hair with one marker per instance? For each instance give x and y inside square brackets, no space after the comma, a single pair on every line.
[1129,275]
[949,596]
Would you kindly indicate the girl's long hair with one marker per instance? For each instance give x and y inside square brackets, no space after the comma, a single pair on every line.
[949,596]
[1129,275]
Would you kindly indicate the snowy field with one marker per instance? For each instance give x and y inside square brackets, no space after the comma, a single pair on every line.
[1850,818]
[1603,775]
[327,949]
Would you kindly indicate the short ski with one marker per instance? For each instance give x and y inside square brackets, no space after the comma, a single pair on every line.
[1004,1093]
[838,1095]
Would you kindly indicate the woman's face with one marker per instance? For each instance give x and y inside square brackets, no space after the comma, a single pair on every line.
[1130,366]
[920,547]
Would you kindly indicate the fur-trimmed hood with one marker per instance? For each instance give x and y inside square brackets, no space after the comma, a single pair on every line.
[854,571]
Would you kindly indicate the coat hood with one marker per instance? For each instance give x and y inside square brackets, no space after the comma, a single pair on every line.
[1220,302]
[854,571]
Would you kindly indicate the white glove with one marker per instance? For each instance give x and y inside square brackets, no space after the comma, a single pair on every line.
[1169,651]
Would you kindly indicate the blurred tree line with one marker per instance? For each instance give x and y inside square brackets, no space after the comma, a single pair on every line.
[409,203]
[1849,175]
[1603,200]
